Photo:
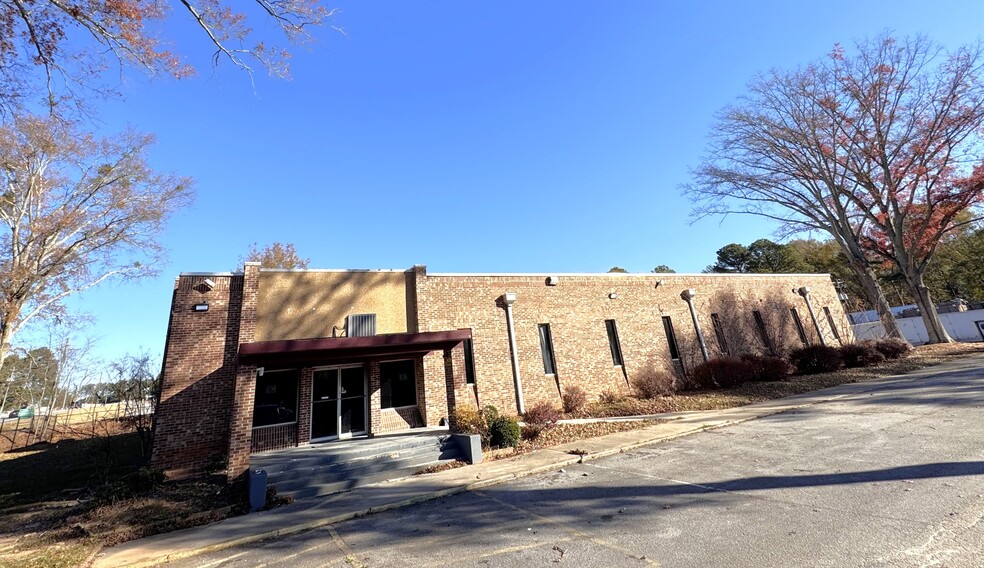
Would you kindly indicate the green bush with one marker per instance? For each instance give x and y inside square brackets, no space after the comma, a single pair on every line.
[722,372]
[768,369]
[816,359]
[863,354]
[893,348]
[504,432]
[495,430]
[574,399]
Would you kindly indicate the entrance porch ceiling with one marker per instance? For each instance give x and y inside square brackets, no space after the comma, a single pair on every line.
[322,350]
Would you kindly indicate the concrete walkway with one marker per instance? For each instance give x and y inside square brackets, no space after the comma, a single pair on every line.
[313,513]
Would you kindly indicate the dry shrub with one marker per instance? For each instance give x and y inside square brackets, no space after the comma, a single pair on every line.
[651,383]
[723,372]
[610,397]
[574,399]
[863,354]
[538,418]
[816,359]
[893,348]
[470,421]
[769,369]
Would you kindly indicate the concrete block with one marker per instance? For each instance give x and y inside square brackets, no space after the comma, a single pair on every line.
[471,446]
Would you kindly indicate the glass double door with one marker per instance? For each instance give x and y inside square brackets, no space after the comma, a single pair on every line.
[338,403]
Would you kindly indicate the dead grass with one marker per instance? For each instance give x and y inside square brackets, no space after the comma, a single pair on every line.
[65,500]
[564,433]
[442,467]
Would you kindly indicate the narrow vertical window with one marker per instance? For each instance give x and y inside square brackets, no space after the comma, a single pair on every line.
[469,362]
[546,349]
[671,338]
[799,326]
[719,333]
[613,343]
[763,332]
[830,320]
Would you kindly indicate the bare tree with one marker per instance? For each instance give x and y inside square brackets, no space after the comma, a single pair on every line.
[277,255]
[877,150]
[69,45]
[76,211]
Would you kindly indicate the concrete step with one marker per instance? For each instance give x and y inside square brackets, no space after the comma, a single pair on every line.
[322,469]
[354,467]
[339,452]
[316,487]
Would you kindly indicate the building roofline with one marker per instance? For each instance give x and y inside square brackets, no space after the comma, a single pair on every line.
[210,274]
[626,274]
[401,270]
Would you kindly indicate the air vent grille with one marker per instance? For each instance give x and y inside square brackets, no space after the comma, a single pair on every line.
[361,325]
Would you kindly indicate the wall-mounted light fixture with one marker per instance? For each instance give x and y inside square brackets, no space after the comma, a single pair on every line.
[209,284]
[612,296]
[202,307]
[260,371]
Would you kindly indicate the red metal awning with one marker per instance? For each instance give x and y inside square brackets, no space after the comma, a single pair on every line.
[345,349]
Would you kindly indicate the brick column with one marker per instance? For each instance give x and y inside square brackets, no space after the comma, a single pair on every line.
[241,417]
[241,423]
[434,404]
[454,378]
[375,398]
[304,406]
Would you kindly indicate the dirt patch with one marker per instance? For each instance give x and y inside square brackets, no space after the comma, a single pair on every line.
[442,467]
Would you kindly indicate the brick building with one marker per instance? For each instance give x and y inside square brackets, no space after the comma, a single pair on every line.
[265,359]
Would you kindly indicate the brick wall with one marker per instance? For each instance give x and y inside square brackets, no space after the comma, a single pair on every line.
[191,428]
[576,309]
[244,387]
[205,415]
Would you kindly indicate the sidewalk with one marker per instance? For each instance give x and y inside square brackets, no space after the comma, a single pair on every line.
[312,513]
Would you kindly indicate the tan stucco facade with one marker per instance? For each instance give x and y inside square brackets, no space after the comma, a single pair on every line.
[298,304]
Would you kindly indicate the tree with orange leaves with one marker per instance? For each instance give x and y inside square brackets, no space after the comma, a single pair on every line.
[879,149]
[68,44]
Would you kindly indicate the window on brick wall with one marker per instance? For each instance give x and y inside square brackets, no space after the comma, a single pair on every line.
[799,326]
[763,332]
[469,362]
[276,398]
[397,384]
[671,338]
[546,349]
[613,343]
[719,334]
[830,320]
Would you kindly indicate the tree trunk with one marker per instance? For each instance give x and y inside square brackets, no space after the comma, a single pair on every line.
[927,309]
[877,297]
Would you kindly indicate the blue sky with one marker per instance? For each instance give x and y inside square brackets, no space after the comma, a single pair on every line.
[471,137]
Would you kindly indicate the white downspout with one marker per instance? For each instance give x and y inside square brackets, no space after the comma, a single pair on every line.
[688,296]
[805,292]
[508,299]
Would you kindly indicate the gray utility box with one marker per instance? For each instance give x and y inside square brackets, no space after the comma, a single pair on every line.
[257,489]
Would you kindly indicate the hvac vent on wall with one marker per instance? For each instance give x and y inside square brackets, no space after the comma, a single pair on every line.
[361,325]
